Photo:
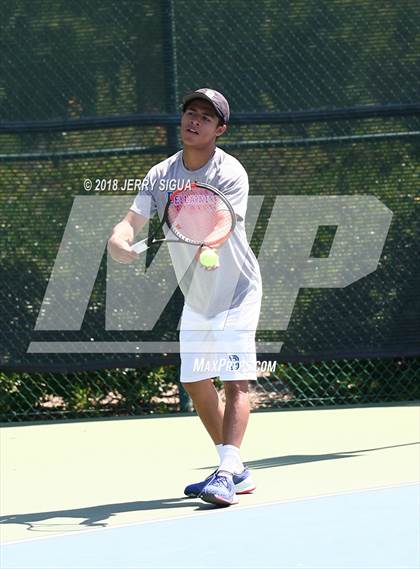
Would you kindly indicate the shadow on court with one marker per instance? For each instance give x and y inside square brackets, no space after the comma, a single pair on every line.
[97,516]
[303,458]
[94,516]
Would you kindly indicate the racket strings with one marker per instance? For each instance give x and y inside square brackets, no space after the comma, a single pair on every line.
[199,216]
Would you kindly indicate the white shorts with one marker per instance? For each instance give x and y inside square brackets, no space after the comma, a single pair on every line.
[222,346]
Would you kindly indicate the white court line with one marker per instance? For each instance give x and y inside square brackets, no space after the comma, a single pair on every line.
[215,511]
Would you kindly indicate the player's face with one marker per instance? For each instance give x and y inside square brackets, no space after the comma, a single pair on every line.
[200,125]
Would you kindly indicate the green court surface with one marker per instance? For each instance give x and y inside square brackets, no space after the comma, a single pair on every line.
[62,481]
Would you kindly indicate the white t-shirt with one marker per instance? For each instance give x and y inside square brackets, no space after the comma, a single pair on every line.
[207,292]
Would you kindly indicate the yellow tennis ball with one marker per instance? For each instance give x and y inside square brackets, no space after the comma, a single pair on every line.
[209,258]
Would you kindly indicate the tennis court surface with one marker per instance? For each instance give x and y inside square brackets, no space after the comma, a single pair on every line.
[336,488]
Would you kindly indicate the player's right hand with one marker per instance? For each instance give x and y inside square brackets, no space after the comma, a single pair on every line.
[120,251]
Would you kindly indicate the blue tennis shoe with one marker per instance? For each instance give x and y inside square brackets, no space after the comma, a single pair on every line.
[219,490]
[243,484]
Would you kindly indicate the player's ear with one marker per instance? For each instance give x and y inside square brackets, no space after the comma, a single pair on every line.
[221,129]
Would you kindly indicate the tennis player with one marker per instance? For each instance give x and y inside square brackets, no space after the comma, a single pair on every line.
[222,306]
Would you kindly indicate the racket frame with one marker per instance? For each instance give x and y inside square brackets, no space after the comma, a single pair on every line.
[144,244]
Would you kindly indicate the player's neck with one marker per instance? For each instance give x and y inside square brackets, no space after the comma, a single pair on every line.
[196,158]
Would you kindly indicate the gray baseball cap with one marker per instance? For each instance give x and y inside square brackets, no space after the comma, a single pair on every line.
[220,104]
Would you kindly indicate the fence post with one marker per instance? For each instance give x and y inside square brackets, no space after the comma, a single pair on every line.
[171,94]
[170,72]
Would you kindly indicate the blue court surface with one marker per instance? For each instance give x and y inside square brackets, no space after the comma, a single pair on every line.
[336,488]
[376,528]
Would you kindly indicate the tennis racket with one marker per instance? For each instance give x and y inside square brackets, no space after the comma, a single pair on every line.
[198,214]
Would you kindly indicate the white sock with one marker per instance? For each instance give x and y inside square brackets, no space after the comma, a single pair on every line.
[231,460]
[219,449]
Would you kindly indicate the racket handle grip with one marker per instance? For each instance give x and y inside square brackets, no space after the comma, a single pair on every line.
[139,247]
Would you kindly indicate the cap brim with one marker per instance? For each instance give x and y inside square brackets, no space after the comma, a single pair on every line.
[194,96]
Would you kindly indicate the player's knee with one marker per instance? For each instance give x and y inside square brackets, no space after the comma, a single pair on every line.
[236,389]
[196,388]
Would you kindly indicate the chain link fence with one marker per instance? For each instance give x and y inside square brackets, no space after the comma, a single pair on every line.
[90,58]
[156,390]
[325,101]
